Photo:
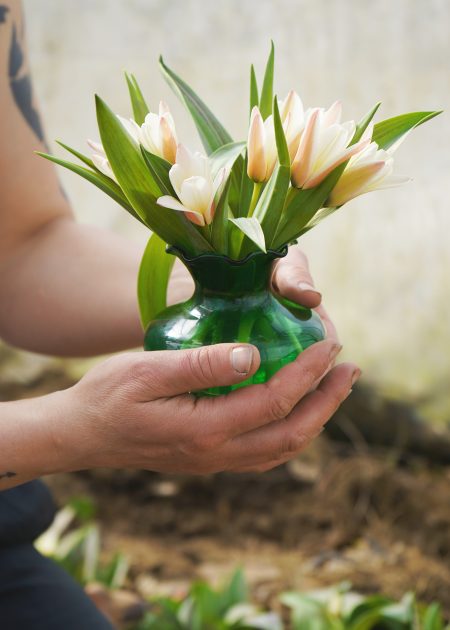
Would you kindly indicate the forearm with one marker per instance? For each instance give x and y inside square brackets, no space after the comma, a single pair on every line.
[28,448]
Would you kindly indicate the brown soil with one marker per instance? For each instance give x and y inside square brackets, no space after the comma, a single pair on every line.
[332,515]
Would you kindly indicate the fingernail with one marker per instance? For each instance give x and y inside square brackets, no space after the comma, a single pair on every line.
[241,359]
[305,286]
[334,351]
[355,376]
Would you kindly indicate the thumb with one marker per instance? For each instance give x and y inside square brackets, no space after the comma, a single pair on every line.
[180,371]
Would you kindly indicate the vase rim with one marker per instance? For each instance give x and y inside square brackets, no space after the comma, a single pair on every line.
[280,253]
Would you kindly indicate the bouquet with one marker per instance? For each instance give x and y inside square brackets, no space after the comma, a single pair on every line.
[298,166]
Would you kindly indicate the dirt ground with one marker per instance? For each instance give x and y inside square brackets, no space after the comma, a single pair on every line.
[334,514]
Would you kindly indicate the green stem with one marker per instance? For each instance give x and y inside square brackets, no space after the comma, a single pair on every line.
[255,196]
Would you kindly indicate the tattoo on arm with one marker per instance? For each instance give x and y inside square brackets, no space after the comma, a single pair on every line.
[20,80]
[7,474]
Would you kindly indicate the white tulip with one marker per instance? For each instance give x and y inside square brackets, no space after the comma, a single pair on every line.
[261,143]
[323,146]
[194,185]
[369,170]
[99,158]
[158,135]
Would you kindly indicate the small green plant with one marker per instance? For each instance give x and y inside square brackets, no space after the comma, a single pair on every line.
[204,608]
[77,549]
[338,608]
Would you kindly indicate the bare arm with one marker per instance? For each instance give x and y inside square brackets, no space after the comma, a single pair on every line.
[65,288]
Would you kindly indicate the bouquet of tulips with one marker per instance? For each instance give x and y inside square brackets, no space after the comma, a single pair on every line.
[297,167]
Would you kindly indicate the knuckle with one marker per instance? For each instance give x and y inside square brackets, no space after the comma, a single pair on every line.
[292,444]
[199,364]
[139,370]
[279,406]
[205,443]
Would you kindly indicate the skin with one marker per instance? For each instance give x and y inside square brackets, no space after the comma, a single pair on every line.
[133,410]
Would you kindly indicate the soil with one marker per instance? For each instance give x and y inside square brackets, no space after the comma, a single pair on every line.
[332,515]
[375,516]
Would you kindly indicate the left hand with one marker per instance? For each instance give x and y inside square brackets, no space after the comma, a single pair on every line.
[292,279]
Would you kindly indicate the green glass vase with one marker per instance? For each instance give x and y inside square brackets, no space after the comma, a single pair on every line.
[233,302]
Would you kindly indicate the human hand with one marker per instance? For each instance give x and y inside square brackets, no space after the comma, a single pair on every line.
[292,279]
[134,410]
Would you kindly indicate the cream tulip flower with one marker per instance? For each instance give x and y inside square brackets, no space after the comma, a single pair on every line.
[371,169]
[323,146]
[158,135]
[261,143]
[99,158]
[194,185]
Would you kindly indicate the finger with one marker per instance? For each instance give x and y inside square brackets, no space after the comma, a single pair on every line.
[249,408]
[280,441]
[330,328]
[174,372]
[292,279]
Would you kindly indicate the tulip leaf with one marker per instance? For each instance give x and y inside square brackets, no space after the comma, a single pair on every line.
[301,207]
[159,169]
[364,123]
[140,107]
[219,225]
[265,103]
[83,158]
[246,190]
[153,279]
[225,156]
[270,205]
[388,132]
[254,97]
[282,147]
[251,227]
[213,135]
[140,188]
[106,184]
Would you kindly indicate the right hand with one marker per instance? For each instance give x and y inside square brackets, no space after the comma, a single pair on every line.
[134,410]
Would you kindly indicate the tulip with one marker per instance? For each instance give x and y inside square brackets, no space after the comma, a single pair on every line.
[261,143]
[323,146]
[157,134]
[99,158]
[194,185]
[371,169]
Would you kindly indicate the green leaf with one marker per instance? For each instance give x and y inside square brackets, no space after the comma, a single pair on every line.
[363,124]
[387,132]
[245,190]
[226,156]
[270,205]
[140,188]
[98,179]
[159,169]
[153,279]
[282,147]
[432,618]
[140,107]
[302,206]
[219,225]
[251,227]
[213,135]
[265,103]
[83,158]
[254,97]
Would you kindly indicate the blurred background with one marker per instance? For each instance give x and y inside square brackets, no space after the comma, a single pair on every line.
[382,264]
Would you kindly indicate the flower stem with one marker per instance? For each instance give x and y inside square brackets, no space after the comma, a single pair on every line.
[255,196]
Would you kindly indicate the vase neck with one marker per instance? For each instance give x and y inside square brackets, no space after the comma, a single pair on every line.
[215,274]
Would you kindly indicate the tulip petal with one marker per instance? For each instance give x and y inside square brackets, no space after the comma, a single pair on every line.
[173,204]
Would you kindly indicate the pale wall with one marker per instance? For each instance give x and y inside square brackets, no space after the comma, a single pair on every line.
[383,262]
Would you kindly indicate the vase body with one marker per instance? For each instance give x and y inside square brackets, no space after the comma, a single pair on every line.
[233,302]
